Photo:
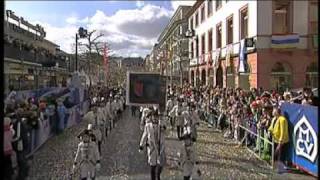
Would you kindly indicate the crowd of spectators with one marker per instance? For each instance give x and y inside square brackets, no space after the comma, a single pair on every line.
[23,119]
[251,117]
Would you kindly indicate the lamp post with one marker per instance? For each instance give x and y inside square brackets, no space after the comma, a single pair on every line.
[82,33]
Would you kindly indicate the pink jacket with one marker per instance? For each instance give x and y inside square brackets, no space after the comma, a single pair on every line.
[7,137]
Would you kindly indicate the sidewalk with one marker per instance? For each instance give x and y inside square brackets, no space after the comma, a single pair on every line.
[220,158]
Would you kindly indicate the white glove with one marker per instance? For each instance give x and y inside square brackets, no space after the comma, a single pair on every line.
[73,169]
[98,167]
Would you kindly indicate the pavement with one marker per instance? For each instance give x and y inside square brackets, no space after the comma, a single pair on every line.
[218,158]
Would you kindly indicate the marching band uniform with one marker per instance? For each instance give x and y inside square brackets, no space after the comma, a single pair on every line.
[87,157]
[187,159]
[144,118]
[154,138]
[176,113]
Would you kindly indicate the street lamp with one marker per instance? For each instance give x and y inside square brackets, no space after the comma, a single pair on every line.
[82,33]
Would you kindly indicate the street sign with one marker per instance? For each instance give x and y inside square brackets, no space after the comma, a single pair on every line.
[145,89]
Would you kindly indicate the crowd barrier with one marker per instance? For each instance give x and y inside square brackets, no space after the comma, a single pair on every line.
[262,140]
[302,149]
[46,128]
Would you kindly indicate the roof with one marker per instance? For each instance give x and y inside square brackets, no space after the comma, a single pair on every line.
[172,22]
[195,7]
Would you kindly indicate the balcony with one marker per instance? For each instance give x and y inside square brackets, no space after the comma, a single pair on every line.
[13,52]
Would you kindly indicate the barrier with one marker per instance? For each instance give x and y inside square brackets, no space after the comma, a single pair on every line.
[303,131]
[265,140]
[45,130]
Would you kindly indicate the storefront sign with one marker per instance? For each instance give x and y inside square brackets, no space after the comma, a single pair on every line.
[303,134]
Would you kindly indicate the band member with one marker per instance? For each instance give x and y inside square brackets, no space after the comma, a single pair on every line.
[187,159]
[176,112]
[87,157]
[169,107]
[154,138]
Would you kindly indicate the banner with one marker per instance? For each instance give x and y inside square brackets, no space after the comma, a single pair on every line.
[216,59]
[229,49]
[285,41]
[303,136]
[144,89]
[242,56]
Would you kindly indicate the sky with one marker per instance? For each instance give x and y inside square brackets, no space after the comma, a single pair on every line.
[131,28]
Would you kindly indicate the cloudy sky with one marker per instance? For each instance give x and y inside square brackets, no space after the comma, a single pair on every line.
[130,27]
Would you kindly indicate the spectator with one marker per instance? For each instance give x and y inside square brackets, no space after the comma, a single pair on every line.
[8,150]
[279,131]
[61,109]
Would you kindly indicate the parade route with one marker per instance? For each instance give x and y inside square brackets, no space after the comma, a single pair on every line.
[218,158]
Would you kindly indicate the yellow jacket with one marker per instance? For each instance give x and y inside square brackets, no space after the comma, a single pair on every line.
[279,130]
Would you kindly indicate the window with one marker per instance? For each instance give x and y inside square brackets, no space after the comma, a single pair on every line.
[218,4]
[192,55]
[209,7]
[282,17]
[210,41]
[219,35]
[203,44]
[197,19]
[230,30]
[244,23]
[197,47]
[191,24]
[280,77]
[313,17]
[312,75]
[202,13]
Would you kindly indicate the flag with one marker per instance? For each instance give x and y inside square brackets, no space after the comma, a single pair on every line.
[242,56]
[216,60]
[228,54]
[285,41]
[209,61]
[105,60]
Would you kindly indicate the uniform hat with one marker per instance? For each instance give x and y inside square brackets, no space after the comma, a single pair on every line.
[83,132]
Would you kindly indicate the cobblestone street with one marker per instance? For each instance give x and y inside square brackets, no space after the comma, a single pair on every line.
[219,158]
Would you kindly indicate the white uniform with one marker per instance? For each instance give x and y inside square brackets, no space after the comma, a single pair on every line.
[110,114]
[87,157]
[115,107]
[101,116]
[151,135]
[176,110]
[169,105]
[187,160]
[143,120]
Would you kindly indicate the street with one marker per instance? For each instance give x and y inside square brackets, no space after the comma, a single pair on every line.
[218,158]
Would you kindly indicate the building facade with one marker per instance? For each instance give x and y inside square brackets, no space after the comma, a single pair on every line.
[31,61]
[268,44]
[172,50]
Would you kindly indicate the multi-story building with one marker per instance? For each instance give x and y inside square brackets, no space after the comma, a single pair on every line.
[30,60]
[172,48]
[270,44]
